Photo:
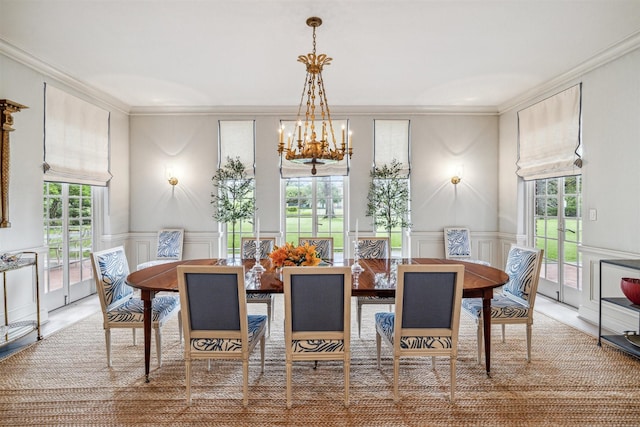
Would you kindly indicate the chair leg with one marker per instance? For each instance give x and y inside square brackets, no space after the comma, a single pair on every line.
[262,340]
[179,326]
[187,367]
[433,363]
[133,331]
[269,311]
[396,372]
[452,366]
[503,325]
[208,364]
[528,342]
[245,381]
[347,369]
[480,340]
[288,385]
[107,339]
[158,346]
[378,345]
[359,316]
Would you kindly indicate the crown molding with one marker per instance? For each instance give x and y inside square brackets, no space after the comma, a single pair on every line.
[290,111]
[19,55]
[601,58]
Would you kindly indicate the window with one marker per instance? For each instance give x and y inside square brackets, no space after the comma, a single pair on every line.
[391,147]
[237,141]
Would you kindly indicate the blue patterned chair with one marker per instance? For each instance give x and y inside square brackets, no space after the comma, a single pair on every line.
[170,242]
[317,318]
[215,320]
[248,251]
[515,304]
[457,245]
[372,248]
[120,308]
[427,317]
[324,246]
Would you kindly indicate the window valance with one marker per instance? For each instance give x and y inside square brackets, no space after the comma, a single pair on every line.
[391,141]
[237,139]
[76,140]
[549,137]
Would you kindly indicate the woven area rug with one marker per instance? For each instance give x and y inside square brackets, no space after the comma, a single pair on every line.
[64,380]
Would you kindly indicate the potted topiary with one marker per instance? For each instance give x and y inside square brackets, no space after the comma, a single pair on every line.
[234,198]
[388,197]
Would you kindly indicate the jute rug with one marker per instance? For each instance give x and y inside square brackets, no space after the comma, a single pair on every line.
[64,380]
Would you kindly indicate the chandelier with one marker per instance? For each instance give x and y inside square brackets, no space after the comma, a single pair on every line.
[315,142]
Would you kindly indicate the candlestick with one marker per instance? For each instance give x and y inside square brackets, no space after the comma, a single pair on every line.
[299,131]
[280,131]
[356,230]
[258,230]
[343,134]
[350,139]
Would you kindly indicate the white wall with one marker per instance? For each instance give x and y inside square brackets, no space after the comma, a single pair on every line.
[23,84]
[189,142]
[610,175]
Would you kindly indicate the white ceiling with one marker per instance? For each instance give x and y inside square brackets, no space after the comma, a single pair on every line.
[429,53]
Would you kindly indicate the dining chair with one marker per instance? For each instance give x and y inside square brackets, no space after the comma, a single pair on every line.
[372,248]
[120,309]
[457,245]
[324,246]
[248,251]
[170,243]
[514,305]
[426,319]
[215,320]
[317,318]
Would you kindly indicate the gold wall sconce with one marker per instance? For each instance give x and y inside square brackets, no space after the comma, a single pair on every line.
[457,175]
[171,176]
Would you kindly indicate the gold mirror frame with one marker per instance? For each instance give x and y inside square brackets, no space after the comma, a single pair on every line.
[6,125]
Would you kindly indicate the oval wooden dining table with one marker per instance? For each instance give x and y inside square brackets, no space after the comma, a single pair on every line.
[479,282]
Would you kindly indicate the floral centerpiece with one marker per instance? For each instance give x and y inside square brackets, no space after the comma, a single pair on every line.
[291,255]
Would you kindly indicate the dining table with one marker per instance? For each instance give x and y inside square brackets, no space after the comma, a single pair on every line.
[375,279]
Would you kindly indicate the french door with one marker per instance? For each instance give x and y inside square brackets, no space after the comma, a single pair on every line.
[68,233]
[314,207]
[558,230]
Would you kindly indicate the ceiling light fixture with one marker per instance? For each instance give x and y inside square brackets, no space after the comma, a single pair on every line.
[310,150]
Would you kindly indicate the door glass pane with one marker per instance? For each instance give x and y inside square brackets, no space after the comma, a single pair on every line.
[314,208]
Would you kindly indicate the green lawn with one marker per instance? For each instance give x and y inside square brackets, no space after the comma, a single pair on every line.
[551,249]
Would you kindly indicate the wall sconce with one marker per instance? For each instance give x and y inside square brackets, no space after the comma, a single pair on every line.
[171,177]
[457,175]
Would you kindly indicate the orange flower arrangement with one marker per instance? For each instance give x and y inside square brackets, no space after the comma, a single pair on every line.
[290,255]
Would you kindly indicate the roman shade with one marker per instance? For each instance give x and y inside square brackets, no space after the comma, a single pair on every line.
[237,139]
[76,140]
[391,141]
[549,137]
[289,169]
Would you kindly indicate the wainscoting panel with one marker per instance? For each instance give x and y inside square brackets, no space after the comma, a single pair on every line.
[613,318]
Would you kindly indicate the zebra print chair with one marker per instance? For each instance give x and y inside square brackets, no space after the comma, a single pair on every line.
[317,318]
[120,308]
[215,319]
[457,245]
[248,251]
[427,317]
[515,304]
[170,242]
[372,248]
[324,246]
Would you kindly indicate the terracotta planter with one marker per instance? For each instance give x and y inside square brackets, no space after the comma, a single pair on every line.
[631,289]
